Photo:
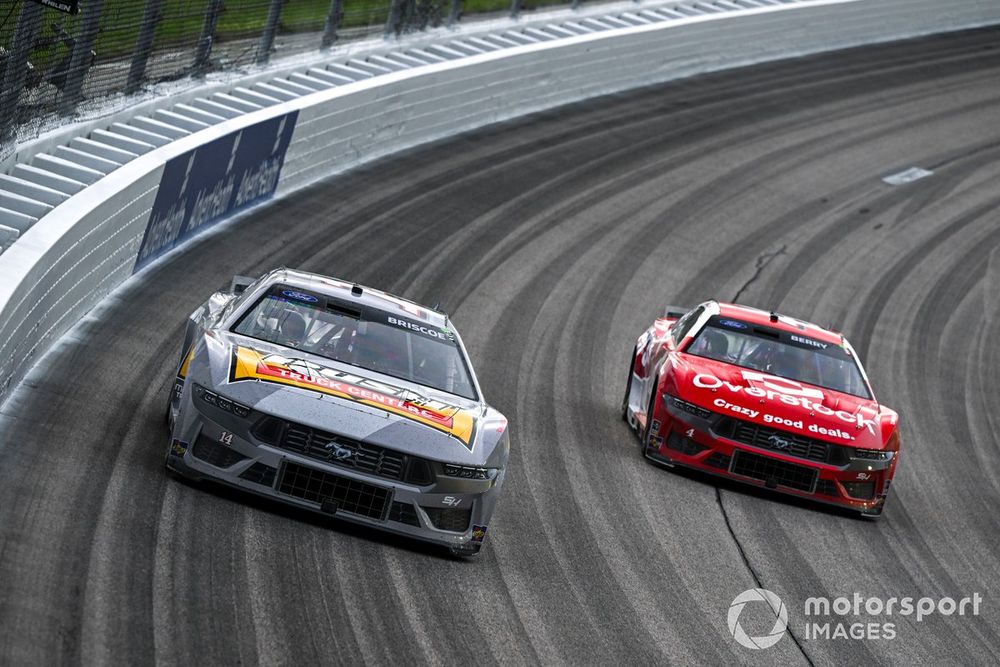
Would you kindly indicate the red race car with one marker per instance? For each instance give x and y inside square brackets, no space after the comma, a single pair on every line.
[764,399]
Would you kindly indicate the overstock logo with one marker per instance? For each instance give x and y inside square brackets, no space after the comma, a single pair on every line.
[777,607]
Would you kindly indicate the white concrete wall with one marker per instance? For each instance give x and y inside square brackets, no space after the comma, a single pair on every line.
[63,265]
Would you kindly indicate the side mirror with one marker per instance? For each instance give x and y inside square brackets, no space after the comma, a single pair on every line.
[241,283]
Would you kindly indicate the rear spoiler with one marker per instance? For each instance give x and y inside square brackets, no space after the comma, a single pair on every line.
[240,284]
[675,312]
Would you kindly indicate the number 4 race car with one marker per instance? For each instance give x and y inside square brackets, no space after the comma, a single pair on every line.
[764,399]
[339,399]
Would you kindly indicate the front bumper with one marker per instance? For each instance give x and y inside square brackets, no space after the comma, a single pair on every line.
[695,442]
[212,444]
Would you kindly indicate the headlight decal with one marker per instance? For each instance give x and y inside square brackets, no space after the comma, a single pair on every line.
[221,402]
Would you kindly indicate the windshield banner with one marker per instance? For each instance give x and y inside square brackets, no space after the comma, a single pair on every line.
[249,364]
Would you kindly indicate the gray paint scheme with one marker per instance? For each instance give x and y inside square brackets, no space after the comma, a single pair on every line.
[211,344]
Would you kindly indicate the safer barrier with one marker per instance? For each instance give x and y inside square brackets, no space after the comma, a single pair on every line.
[91,242]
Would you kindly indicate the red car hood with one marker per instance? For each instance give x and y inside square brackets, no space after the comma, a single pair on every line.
[780,403]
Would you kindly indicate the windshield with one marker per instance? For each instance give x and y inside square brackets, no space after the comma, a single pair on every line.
[360,336]
[780,353]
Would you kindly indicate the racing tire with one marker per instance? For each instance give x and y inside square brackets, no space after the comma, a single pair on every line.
[628,386]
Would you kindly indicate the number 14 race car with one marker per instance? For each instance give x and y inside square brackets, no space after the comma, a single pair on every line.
[339,399]
[763,399]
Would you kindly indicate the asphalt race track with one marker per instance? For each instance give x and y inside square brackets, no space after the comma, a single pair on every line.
[553,241]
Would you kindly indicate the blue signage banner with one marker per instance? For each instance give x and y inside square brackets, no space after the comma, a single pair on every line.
[211,182]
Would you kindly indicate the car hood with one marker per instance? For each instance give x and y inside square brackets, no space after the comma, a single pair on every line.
[349,401]
[780,403]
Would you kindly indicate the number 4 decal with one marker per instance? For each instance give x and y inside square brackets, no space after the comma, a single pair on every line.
[689,433]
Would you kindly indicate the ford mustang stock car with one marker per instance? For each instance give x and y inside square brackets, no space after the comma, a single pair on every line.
[340,399]
[764,399]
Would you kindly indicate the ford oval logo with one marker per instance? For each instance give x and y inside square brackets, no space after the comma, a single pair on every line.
[779,442]
[732,324]
[299,296]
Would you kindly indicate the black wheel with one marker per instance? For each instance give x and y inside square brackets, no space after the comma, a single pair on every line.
[628,386]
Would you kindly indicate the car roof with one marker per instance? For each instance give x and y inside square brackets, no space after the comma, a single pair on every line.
[783,323]
[369,296]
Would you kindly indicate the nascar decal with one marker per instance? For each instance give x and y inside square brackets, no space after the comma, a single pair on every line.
[249,364]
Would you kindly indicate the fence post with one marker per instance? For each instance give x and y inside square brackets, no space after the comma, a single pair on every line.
[515,8]
[143,46]
[207,38]
[270,28]
[394,25]
[81,60]
[455,12]
[17,65]
[332,23]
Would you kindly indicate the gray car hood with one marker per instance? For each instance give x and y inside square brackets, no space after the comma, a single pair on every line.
[347,400]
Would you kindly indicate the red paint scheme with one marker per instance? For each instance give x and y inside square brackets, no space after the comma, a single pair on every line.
[783,407]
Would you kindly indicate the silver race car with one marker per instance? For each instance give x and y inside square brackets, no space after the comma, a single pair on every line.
[339,399]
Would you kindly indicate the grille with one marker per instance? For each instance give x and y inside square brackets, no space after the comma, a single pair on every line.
[773,472]
[259,473]
[317,486]
[687,446]
[215,454]
[718,460]
[404,513]
[419,472]
[333,449]
[860,490]
[827,487]
[799,446]
[449,518]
